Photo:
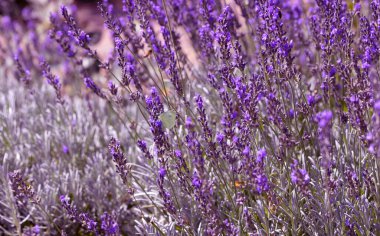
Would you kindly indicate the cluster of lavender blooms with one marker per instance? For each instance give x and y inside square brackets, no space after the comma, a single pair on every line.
[208,117]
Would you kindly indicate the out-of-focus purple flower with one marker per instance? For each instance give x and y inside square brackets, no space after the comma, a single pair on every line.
[7,23]
[262,184]
[323,118]
[189,123]
[350,227]
[354,99]
[162,172]
[246,150]
[178,153]
[219,138]
[332,71]
[32,231]
[109,225]
[197,183]
[299,176]
[291,113]
[261,154]
[376,107]
[65,149]
[357,7]
[310,100]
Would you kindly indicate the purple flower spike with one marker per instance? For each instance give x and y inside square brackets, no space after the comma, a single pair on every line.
[22,190]
[91,85]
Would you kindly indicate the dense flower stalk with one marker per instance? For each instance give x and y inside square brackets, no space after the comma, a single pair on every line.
[95,88]
[22,190]
[84,219]
[52,79]
[119,159]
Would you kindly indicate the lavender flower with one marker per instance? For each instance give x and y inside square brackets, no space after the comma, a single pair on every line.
[282,135]
[65,149]
[91,85]
[109,225]
[120,160]
[22,73]
[112,88]
[52,80]
[299,176]
[22,190]
[261,154]
[86,221]
[323,118]
[82,39]
[143,147]
[32,231]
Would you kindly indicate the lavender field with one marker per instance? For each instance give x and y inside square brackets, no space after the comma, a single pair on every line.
[182,117]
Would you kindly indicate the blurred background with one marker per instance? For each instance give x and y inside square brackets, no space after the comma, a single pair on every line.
[85,11]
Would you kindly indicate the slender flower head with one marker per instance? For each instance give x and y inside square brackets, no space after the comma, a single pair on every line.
[91,85]
[22,190]
[119,159]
